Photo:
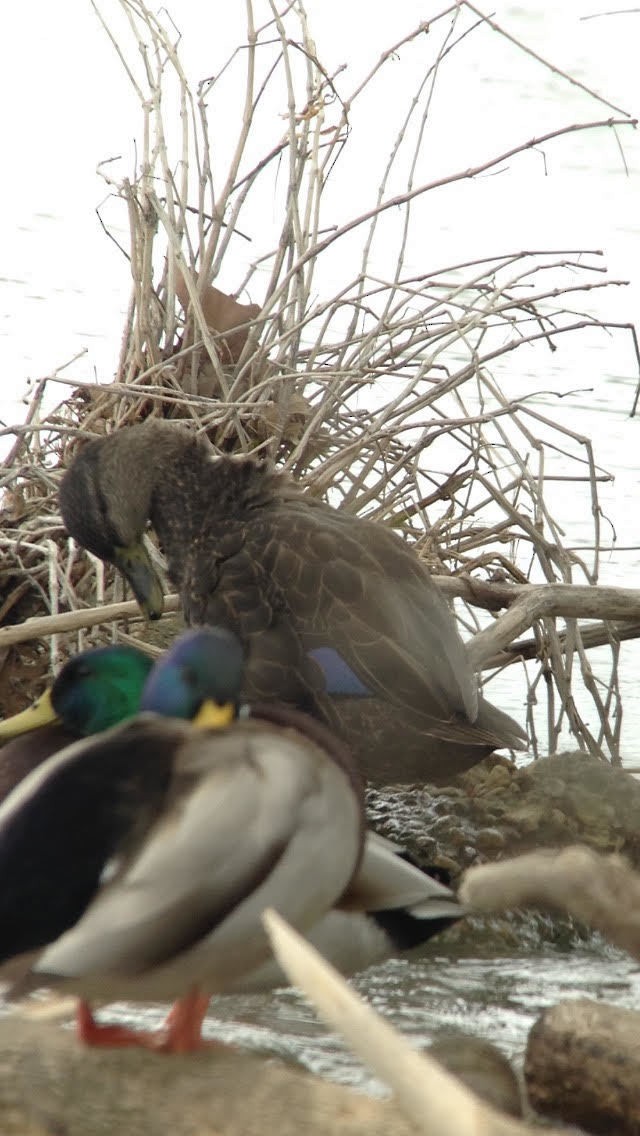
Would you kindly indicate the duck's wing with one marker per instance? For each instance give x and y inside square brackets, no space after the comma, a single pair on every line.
[391,623]
[63,823]
[251,811]
[391,906]
[386,880]
[304,577]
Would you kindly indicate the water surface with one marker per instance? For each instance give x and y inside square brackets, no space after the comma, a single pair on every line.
[498,999]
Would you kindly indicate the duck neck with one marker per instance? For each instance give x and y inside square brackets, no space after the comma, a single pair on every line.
[198,501]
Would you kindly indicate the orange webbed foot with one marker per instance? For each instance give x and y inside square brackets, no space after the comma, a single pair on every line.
[181,1032]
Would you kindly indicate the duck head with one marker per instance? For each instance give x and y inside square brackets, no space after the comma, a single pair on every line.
[94,691]
[105,501]
[198,679]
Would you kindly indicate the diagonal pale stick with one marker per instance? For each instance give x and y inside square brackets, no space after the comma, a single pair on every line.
[437,1103]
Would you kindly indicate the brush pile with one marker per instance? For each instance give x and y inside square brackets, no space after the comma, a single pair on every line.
[385,390]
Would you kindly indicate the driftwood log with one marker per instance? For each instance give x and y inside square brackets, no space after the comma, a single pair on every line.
[50,1086]
[583,1066]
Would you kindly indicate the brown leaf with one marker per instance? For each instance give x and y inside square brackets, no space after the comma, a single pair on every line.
[223,314]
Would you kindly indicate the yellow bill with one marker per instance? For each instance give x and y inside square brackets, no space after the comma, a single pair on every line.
[41,713]
[212,716]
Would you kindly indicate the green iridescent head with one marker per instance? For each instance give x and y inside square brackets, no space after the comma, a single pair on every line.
[94,690]
[198,679]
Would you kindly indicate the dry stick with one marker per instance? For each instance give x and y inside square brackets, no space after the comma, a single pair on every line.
[41,626]
[528,51]
[34,407]
[613,702]
[435,1101]
[606,731]
[224,205]
[526,602]
[602,891]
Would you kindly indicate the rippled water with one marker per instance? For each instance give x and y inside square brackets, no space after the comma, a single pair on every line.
[497,999]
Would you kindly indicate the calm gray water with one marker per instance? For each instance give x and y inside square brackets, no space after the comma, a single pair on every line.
[64,289]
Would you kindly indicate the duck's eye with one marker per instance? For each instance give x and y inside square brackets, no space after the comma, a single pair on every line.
[83,670]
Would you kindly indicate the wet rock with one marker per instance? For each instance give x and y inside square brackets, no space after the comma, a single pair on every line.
[490,840]
[528,817]
[583,1066]
[446,864]
[482,1067]
[52,1087]
[555,789]
[497,810]
[449,792]
[497,779]
[554,800]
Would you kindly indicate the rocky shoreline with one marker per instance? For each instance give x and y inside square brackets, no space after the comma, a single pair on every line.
[498,810]
[50,1086]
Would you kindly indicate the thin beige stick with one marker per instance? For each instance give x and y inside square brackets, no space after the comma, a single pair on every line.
[42,626]
[432,1099]
[545,62]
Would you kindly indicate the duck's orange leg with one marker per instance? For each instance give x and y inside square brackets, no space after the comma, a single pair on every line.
[182,1027]
[90,1033]
[181,1032]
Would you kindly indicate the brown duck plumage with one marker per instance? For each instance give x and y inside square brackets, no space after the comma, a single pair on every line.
[249,551]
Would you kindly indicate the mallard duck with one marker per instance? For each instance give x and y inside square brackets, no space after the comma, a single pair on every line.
[392,905]
[291,575]
[93,691]
[141,859]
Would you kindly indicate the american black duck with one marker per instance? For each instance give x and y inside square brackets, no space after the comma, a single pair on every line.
[142,859]
[291,575]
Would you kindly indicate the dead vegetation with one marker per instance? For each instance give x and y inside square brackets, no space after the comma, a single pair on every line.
[365,384]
